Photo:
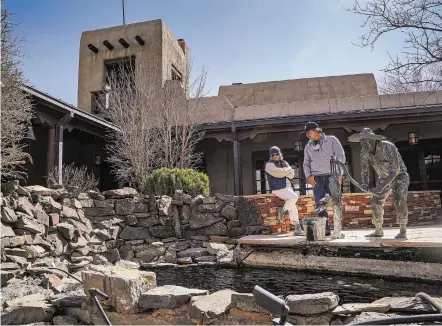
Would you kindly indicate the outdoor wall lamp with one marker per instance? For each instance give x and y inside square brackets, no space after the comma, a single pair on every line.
[97,159]
[297,145]
[413,138]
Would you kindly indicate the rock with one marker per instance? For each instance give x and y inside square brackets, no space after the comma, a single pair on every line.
[8,215]
[226,198]
[200,220]
[368,316]
[50,205]
[126,252]
[68,212]
[153,251]
[60,193]
[5,276]
[127,264]
[209,307]
[179,246]
[95,240]
[35,251]
[205,259]
[9,187]
[405,304]
[319,319]
[21,261]
[120,193]
[193,252]
[79,226]
[25,206]
[114,232]
[141,206]
[124,206]
[59,244]
[77,204]
[54,219]
[170,257]
[26,222]
[80,264]
[64,320]
[162,231]
[79,243]
[20,240]
[123,286]
[16,252]
[246,302]
[83,196]
[198,200]
[112,255]
[311,304]
[226,258]
[209,200]
[99,211]
[185,214]
[6,231]
[168,296]
[93,194]
[199,238]
[9,266]
[134,233]
[17,288]
[53,282]
[103,234]
[99,260]
[132,220]
[355,308]
[229,212]
[38,240]
[102,203]
[207,208]
[76,258]
[86,203]
[165,205]
[216,229]
[184,260]
[217,248]
[66,230]
[26,310]
[39,190]
[97,249]
[82,251]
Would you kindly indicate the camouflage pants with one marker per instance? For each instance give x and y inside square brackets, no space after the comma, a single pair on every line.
[399,188]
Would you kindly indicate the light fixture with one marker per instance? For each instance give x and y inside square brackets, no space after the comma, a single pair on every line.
[297,145]
[97,159]
[30,133]
[413,138]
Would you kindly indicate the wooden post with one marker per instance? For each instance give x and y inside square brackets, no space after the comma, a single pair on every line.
[59,131]
[422,169]
[50,157]
[236,163]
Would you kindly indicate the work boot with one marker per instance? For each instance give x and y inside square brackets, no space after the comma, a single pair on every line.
[327,228]
[378,233]
[402,235]
[298,230]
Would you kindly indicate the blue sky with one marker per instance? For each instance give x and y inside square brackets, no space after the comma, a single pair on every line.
[236,40]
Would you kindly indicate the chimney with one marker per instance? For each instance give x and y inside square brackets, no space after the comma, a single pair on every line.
[183,45]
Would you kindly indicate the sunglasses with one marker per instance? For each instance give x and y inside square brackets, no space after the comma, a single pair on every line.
[275,155]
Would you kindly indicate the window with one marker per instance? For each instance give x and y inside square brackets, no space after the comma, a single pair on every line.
[262,185]
[120,70]
[176,75]
[433,166]
[99,102]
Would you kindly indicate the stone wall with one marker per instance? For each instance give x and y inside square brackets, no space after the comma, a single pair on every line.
[424,207]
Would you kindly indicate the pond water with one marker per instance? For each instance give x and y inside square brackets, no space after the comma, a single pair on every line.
[351,289]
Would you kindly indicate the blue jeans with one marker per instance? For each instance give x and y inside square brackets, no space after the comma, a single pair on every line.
[322,187]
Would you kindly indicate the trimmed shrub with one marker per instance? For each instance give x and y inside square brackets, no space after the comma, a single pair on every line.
[165,181]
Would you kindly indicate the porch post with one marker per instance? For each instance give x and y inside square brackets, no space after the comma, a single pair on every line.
[236,162]
[61,124]
[50,157]
[422,169]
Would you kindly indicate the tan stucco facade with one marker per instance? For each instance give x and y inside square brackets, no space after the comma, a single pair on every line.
[159,52]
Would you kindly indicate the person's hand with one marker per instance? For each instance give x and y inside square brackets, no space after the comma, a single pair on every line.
[311,180]
[340,179]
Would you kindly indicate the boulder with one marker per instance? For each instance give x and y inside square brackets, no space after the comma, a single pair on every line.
[134,233]
[42,217]
[185,214]
[26,222]
[65,320]
[50,205]
[132,220]
[165,205]
[193,252]
[27,309]
[205,259]
[312,304]
[39,190]
[6,231]
[246,302]
[112,255]
[124,206]
[405,305]
[120,193]
[25,206]
[168,296]
[199,220]
[153,251]
[162,231]
[184,260]
[205,309]
[99,211]
[215,229]
[355,308]
[66,230]
[8,215]
[229,212]
[68,212]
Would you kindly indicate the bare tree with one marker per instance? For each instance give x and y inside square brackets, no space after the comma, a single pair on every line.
[158,123]
[16,108]
[418,67]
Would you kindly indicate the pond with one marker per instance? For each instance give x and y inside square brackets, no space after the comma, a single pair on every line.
[351,289]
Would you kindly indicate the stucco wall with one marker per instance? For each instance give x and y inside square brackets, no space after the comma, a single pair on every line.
[156,56]
[297,90]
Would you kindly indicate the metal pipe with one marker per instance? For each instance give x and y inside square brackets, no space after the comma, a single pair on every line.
[436,305]
[94,292]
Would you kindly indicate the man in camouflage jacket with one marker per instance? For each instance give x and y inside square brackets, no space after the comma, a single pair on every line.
[384,159]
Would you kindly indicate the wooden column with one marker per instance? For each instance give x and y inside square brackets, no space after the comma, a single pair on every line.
[236,162]
[50,157]
[59,131]
[422,169]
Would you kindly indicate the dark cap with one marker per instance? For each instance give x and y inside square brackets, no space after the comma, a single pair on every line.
[274,150]
[310,126]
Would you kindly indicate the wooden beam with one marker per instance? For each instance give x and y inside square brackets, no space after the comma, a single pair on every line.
[139,40]
[50,158]
[236,163]
[108,45]
[92,48]
[123,42]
